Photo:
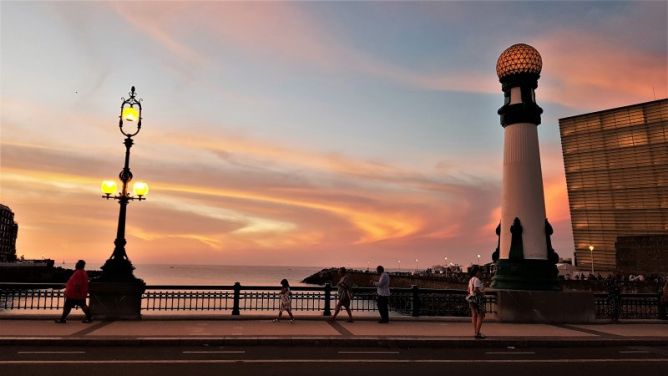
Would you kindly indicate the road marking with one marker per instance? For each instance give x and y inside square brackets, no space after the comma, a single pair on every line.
[216,352]
[315,361]
[368,352]
[634,352]
[173,338]
[509,352]
[31,338]
[50,352]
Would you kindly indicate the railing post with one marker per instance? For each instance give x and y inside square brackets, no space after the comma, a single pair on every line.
[661,310]
[328,296]
[416,301]
[237,294]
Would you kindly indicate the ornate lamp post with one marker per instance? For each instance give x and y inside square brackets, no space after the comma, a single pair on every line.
[118,267]
[116,294]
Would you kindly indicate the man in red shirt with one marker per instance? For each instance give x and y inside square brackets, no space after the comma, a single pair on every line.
[76,292]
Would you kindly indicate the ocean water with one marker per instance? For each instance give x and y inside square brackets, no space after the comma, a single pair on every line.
[176,274]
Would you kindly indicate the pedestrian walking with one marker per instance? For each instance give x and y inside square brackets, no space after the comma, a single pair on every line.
[383,291]
[663,304]
[76,292]
[345,292]
[614,298]
[285,298]
[476,298]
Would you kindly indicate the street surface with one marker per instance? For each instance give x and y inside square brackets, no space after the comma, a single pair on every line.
[288,360]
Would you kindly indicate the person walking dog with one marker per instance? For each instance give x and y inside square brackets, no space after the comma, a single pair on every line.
[383,291]
[76,292]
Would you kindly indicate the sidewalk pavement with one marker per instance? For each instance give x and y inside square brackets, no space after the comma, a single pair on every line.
[260,330]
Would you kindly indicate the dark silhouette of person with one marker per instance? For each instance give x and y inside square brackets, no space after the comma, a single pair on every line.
[383,291]
[76,292]
[345,292]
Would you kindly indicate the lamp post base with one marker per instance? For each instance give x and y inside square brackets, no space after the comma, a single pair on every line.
[545,306]
[117,270]
[116,300]
[526,274]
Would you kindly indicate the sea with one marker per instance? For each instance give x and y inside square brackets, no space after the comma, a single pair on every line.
[178,274]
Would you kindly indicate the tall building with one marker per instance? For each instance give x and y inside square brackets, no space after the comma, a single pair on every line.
[8,232]
[616,164]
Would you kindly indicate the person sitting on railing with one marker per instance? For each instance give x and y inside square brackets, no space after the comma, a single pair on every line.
[76,292]
[345,291]
[285,297]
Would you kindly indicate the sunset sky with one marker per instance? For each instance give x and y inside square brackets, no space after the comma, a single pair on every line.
[297,133]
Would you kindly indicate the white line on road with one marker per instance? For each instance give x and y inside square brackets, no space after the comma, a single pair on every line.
[173,338]
[216,352]
[634,352]
[368,352]
[509,352]
[27,338]
[315,361]
[50,352]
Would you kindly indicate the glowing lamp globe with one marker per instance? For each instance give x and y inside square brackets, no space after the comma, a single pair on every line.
[109,187]
[140,188]
[130,114]
[519,59]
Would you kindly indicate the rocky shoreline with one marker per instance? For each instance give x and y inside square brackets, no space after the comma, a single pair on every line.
[39,274]
[366,278]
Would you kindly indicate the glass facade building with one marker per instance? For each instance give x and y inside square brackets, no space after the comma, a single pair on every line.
[616,164]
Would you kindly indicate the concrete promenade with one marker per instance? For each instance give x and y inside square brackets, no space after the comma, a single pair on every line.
[316,331]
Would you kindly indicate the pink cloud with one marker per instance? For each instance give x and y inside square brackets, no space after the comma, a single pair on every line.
[584,70]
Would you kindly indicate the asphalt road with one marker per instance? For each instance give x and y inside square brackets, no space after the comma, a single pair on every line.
[316,361]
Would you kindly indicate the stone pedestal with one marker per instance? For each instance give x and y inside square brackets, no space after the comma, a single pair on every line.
[545,306]
[116,300]
[526,274]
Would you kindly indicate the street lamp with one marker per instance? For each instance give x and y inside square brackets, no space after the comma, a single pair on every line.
[417,266]
[118,267]
[478,259]
[399,262]
[591,253]
[446,266]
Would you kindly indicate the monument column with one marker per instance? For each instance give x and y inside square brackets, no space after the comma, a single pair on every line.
[525,259]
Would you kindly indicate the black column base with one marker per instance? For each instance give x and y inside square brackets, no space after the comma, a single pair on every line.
[116,300]
[526,274]
[117,270]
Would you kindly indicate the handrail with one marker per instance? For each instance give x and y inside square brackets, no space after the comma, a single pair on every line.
[237,298]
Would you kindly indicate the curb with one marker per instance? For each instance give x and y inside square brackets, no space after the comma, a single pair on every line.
[401,342]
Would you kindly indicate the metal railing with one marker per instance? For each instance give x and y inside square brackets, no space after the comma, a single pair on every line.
[629,306]
[237,298]
[321,299]
[32,296]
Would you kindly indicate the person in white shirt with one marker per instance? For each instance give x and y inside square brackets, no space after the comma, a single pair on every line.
[383,291]
[476,299]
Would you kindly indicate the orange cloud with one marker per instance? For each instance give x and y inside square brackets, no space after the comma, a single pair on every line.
[583,70]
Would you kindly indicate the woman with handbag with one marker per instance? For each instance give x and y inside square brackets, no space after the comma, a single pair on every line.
[476,300]
[345,292]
